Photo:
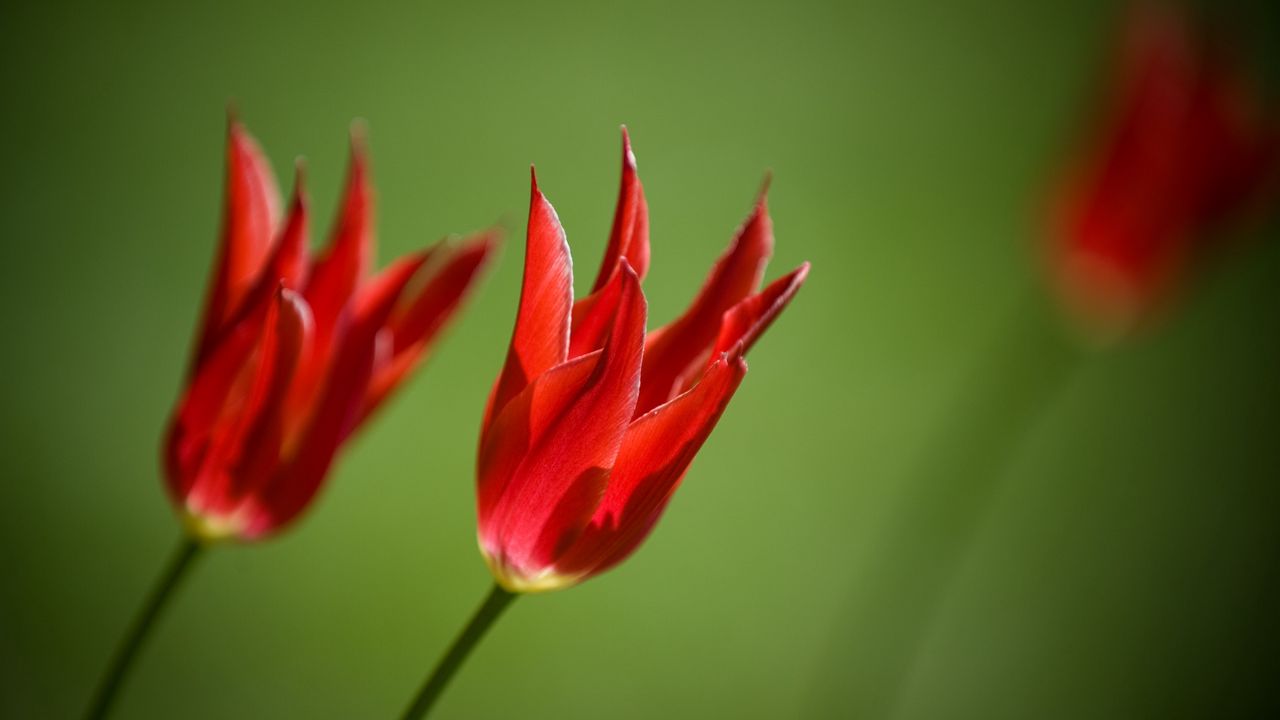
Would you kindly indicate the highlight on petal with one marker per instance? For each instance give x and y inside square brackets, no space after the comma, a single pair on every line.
[549,454]
[657,450]
[670,351]
[540,340]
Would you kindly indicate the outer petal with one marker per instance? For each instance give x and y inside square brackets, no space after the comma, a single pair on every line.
[671,350]
[249,220]
[242,446]
[423,311]
[540,340]
[657,450]
[570,424]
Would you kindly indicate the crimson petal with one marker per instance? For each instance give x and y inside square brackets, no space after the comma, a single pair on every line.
[655,454]
[540,340]
[423,312]
[250,215]
[336,413]
[672,349]
[569,425]
[629,237]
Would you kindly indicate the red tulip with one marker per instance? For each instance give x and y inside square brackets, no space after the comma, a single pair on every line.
[1183,149]
[294,351]
[592,423]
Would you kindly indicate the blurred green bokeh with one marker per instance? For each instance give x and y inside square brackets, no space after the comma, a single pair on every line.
[1124,565]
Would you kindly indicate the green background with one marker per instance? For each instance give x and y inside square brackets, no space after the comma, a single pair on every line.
[1116,558]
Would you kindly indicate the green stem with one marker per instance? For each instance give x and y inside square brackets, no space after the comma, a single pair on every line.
[466,641]
[118,671]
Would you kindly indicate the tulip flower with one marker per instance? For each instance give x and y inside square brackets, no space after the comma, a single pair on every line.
[296,352]
[293,354]
[1182,150]
[592,423]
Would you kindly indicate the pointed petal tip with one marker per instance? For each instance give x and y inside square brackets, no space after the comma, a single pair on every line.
[763,196]
[483,244]
[625,267]
[299,178]
[487,240]
[287,297]
[628,155]
[802,272]
[358,139]
[358,132]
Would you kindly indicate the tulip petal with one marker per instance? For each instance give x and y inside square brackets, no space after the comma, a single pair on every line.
[593,318]
[570,423]
[212,399]
[671,350]
[540,340]
[629,237]
[424,311]
[656,452]
[290,262]
[374,307]
[336,409]
[290,329]
[337,274]
[745,322]
[250,216]
[241,437]
[287,264]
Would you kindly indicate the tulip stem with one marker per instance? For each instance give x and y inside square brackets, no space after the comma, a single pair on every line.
[182,559]
[485,615]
